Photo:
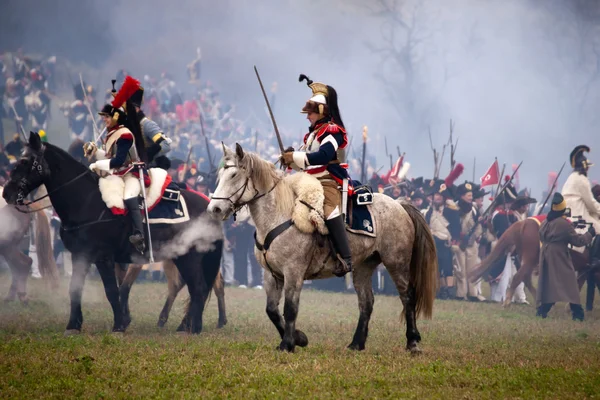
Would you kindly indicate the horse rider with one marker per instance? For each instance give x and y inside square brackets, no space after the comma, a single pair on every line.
[577,192]
[558,281]
[321,156]
[155,141]
[122,150]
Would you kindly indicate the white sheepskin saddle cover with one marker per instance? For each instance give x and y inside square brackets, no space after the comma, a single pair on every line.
[307,188]
[2,202]
[112,189]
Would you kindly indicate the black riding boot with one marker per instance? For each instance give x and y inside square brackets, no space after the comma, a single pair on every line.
[137,239]
[339,238]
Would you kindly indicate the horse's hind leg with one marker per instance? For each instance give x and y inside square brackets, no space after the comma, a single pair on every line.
[131,275]
[175,284]
[219,289]
[19,265]
[363,285]
[192,267]
[400,276]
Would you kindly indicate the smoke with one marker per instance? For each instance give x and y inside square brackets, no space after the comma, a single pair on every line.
[519,78]
[13,224]
[201,234]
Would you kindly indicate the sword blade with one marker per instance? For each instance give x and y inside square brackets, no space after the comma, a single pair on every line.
[262,88]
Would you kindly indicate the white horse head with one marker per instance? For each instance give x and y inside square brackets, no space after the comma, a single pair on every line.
[242,178]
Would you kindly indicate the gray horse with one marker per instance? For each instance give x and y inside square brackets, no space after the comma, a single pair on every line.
[403,244]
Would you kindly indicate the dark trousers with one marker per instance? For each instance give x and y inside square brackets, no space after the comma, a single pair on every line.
[244,249]
[576,311]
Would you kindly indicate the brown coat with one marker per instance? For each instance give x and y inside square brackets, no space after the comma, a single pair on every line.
[558,282]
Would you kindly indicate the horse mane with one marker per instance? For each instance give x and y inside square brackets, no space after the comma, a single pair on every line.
[264,176]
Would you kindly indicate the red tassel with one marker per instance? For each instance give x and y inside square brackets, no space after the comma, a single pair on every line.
[454,174]
[129,87]
[506,178]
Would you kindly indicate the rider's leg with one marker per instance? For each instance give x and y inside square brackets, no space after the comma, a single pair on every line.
[132,202]
[334,220]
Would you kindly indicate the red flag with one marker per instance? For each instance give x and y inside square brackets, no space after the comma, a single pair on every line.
[492,176]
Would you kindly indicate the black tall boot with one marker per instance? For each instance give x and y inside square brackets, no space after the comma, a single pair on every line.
[339,238]
[137,239]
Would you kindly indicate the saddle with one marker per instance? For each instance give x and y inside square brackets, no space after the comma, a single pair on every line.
[164,201]
[308,216]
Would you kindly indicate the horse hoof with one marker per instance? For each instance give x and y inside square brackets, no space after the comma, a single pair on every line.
[117,334]
[220,324]
[72,332]
[300,338]
[161,323]
[283,346]
[182,333]
[356,346]
[413,348]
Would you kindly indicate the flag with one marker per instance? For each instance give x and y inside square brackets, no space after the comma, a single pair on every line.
[492,176]
[392,175]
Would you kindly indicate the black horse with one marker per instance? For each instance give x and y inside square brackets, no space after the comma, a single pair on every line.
[93,234]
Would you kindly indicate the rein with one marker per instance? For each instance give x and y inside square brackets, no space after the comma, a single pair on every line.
[235,206]
[48,195]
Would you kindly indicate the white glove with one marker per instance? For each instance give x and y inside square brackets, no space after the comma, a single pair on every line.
[101,165]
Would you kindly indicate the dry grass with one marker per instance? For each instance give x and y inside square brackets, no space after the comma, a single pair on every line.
[470,351]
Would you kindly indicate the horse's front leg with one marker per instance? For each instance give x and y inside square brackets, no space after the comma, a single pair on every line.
[291,288]
[81,266]
[106,268]
[274,288]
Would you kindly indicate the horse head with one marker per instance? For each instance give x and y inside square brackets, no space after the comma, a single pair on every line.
[29,173]
[234,184]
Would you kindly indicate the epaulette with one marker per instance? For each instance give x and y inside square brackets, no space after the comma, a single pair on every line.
[332,127]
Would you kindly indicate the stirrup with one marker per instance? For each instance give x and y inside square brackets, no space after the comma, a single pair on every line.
[341,267]
[137,240]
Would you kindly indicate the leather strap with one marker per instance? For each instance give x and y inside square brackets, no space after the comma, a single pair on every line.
[278,230]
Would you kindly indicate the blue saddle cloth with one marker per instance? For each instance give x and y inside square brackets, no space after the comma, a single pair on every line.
[360,220]
[171,209]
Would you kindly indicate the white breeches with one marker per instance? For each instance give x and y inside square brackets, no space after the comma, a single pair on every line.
[132,187]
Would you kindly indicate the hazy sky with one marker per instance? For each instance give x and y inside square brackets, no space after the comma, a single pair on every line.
[516,76]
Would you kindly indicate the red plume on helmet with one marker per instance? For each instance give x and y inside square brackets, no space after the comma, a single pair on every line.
[129,87]
[454,174]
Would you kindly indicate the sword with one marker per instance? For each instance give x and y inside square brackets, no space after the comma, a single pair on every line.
[88,108]
[19,123]
[270,111]
[143,188]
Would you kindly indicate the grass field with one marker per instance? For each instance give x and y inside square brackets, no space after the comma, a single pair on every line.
[473,351]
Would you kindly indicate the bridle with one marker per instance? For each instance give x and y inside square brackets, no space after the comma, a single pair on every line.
[237,205]
[24,185]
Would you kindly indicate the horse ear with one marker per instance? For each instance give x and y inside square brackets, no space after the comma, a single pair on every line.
[239,152]
[226,150]
[35,142]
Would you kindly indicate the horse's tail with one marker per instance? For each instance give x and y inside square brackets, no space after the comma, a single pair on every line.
[423,263]
[43,246]
[508,239]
